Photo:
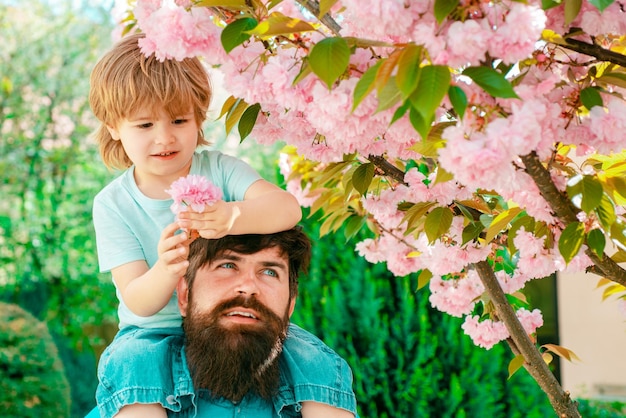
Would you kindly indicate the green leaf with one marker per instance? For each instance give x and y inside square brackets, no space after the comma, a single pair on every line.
[353,226]
[500,222]
[515,364]
[400,111]
[437,223]
[325,6]
[572,8]
[279,24]
[618,233]
[415,212]
[234,34]
[408,74]
[458,98]
[548,4]
[590,97]
[471,231]
[423,279]
[592,193]
[571,240]
[234,114]
[362,177]
[305,70]
[606,213]
[589,190]
[227,4]
[421,125]
[329,59]
[601,4]
[618,79]
[365,84]
[434,82]
[596,241]
[443,8]
[228,105]
[491,81]
[247,121]
[388,96]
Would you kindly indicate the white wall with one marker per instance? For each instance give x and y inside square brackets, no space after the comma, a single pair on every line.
[596,332]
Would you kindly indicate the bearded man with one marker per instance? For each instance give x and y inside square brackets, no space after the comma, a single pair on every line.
[236,300]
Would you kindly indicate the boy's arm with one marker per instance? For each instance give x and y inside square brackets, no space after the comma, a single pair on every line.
[266,209]
[146,291]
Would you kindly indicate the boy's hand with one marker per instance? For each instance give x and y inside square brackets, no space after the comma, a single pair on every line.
[214,221]
[173,250]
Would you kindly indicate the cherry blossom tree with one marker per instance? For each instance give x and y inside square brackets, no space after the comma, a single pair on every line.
[482,142]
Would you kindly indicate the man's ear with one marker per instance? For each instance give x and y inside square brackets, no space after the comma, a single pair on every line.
[182,292]
[292,306]
[114,133]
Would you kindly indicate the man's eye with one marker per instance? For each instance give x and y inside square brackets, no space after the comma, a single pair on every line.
[227,265]
[270,272]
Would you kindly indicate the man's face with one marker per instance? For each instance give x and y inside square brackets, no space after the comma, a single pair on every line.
[236,318]
[263,276]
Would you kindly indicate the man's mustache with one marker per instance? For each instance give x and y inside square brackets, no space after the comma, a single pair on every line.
[247,302]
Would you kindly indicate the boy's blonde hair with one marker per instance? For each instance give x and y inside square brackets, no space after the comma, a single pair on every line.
[125,79]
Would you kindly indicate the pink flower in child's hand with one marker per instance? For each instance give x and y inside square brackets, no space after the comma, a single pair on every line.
[193,191]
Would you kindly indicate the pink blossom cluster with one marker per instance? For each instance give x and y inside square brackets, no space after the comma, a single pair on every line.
[176,31]
[487,333]
[482,149]
[193,191]
[456,296]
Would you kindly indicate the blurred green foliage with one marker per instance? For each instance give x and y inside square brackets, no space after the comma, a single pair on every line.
[49,172]
[49,166]
[408,359]
[32,379]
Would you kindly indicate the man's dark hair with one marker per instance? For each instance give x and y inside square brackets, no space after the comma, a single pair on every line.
[293,243]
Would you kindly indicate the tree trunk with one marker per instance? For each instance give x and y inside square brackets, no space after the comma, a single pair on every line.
[521,343]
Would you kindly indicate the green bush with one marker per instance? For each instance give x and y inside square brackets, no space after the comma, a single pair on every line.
[408,359]
[32,378]
[601,409]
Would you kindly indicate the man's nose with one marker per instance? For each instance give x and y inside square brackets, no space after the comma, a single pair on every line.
[247,283]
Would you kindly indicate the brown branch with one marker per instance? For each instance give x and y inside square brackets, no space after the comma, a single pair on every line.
[387,168]
[565,210]
[313,7]
[594,50]
[521,343]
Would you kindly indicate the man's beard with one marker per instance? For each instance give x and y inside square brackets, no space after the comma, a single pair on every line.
[239,359]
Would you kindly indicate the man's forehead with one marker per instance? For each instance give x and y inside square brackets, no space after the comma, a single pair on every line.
[270,255]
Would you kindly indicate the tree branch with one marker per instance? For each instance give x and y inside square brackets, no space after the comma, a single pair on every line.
[565,210]
[313,7]
[594,50]
[520,342]
[387,168]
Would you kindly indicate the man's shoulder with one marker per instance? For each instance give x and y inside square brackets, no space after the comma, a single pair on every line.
[307,352]
[312,371]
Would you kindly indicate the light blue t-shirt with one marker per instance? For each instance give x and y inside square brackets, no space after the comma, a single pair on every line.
[128,224]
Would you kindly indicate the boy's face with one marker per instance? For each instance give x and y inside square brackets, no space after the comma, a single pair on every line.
[161,148]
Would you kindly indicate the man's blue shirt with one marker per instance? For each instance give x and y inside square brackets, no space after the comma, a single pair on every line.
[318,375]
